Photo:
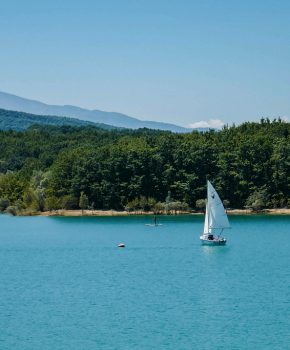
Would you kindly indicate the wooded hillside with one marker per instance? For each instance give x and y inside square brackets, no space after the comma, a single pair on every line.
[53,167]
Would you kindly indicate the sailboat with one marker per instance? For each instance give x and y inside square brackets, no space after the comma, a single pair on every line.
[216,219]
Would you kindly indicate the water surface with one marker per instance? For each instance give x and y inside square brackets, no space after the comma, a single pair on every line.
[66,285]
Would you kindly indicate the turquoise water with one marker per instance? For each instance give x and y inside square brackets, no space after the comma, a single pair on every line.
[65,284]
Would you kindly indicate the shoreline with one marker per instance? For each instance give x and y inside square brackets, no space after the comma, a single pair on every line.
[109,213]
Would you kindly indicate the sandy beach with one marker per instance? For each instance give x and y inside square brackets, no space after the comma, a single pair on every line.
[62,212]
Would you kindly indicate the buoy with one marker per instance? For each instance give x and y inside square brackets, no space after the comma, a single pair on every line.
[121,245]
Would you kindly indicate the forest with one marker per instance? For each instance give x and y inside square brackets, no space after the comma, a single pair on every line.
[13,120]
[71,167]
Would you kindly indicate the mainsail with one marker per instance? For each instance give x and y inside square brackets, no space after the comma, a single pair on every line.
[215,216]
[206,229]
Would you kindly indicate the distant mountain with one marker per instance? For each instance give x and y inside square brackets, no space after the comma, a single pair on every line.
[15,103]
[11,120]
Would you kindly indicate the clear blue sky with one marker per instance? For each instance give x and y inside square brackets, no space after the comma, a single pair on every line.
[176,61]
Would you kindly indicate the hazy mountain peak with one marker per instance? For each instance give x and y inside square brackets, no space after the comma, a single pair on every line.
[16,103]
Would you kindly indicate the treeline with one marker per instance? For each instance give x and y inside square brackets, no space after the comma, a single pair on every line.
[48,168]
[12,120]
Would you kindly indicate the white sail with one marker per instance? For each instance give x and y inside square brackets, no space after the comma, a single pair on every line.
[217,217]
[206,229]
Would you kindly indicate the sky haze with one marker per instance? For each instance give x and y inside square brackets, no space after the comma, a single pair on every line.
[184,62]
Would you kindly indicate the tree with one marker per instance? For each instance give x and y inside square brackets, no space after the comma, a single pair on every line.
[12,210]
[167,201]
[159,207]
[52,203]
[84,201]
[226,203]
[143,203]
[4,204]
[92,206]
[113,168]
[151,202]
[257,200]
[69,202]
[178,206]
[132,205]
[200,204]
[39,200]
[28,197]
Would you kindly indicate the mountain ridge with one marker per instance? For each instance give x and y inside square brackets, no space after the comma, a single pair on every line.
[16,103]
[19,121]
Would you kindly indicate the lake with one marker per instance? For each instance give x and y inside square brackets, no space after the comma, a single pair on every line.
[66,285]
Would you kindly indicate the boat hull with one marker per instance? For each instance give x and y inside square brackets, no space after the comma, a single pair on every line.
[217,241]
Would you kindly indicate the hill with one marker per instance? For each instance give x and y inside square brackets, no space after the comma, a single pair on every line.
[12,120]
[53,167]
[16,103]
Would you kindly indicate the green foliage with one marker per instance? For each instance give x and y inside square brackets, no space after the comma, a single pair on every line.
[144,170]
[141,204]
[11,186]
[200,204]
[12,210]
[258,200]
[84,201]
[52,203]
[68,202]
[226,203]
[159,207]
[151,204]
[177,206]
[4,204]
[28,198]
[11,120]
[39,200]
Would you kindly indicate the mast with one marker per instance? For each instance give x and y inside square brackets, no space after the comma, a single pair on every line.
[207,197]
[207,216]
[206,230]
